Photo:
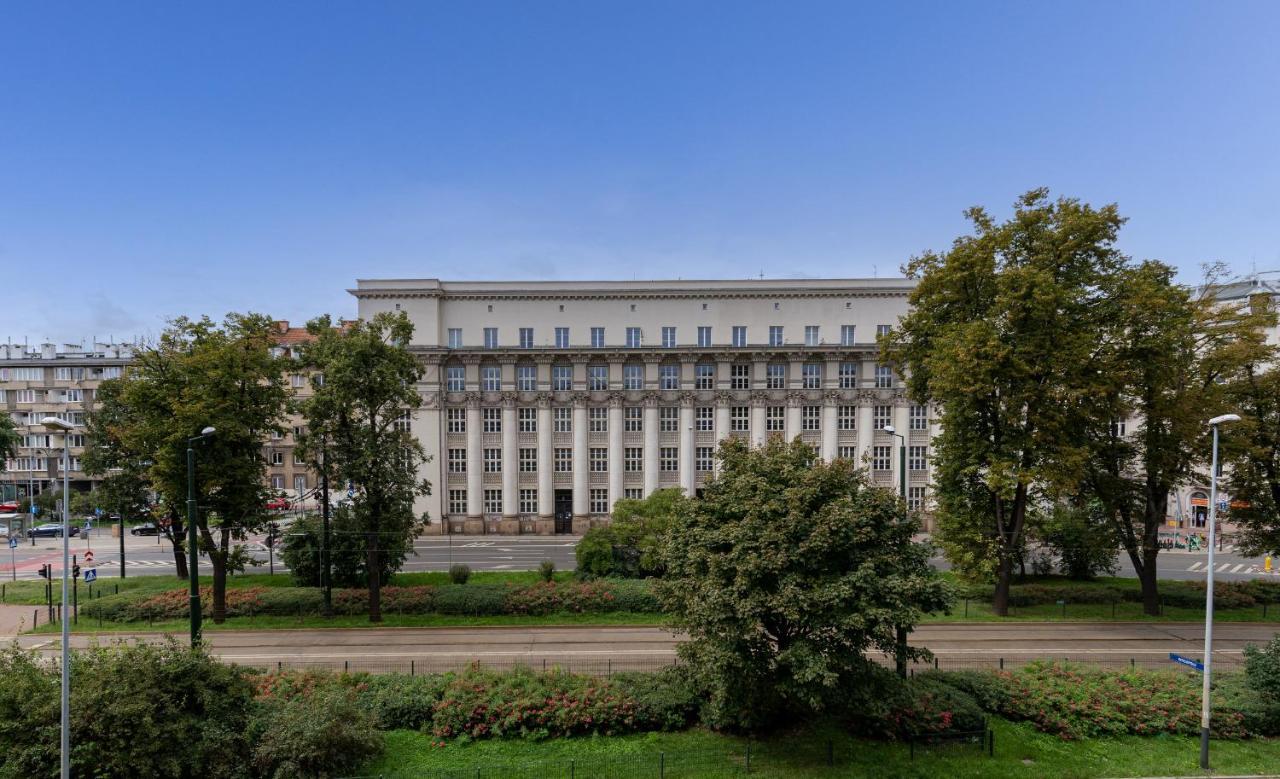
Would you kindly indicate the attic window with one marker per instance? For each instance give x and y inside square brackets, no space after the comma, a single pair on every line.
[776,306]
[397,306]
[562,307]
[490,308]
[633,306]
[704,306]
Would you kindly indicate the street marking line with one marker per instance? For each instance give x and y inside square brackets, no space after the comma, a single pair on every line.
[1237,568]
[1223,567]
[1195,566]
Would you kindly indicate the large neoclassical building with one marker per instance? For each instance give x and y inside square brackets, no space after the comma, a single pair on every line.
[545,402]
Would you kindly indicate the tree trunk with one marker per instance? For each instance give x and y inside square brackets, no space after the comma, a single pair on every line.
[219,564]
[375,577]
[1004,573]
[176,538]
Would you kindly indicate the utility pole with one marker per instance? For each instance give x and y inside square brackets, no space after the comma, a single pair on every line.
[326,585]
[193,556]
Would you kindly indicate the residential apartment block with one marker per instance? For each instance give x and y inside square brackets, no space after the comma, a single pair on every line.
[546,402]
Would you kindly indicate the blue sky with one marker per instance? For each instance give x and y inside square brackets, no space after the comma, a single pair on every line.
[201,158]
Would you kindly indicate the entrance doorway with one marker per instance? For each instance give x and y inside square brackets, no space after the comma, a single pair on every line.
[564,511]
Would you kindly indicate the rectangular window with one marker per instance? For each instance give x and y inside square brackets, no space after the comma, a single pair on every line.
[78,441]
[563,459]
[880,458]
[633,493]
[883,330]
[917,458]
[457,420]
[775,419]
[598,420]
[635,339]
[27,374]
[597,377]
[775,375]
[491,338]
[526,378]
[493,501]
[669,459]
[846,335]
[848,375]
[669,377]
[704,376]
[24,396]
[633,459]
[884,377]
[526,338]
[491,378]
[668,419]
[811,418]
[846,452]
[739,419]
[455,338]
[739,335]
[919,418]
[811,375]
[810,335]
[915,498]
[562,338]
[457,461]
[775,335]
[846,418]
[562,420]
[561,378]
[632,419]
[457,501]
[528,501]
[277,458]
[68,374]
[740,376]
[881,417]
[633,377]
[455,378]
[599,501]
[277,482]
[668,337]
[704,336]
[403,423]
[597,338]
[704,419]
[493,460]
[528,460]
[113,372]
[704,458]
[297,381]
[598,457]
[527,420]
[491,420]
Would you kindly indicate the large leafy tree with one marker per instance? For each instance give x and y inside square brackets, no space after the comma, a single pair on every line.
[364,391]
[199,374]
[1002,337]
[1167,355]
[788,575]
[8,439]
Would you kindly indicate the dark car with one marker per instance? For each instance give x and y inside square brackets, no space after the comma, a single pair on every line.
[51,530]
[145,529]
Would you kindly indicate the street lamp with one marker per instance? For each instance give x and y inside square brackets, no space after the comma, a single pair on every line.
[56,425]
[902,459]
[193,557]
[1208,595]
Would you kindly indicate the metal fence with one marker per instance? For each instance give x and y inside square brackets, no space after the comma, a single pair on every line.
[780,759]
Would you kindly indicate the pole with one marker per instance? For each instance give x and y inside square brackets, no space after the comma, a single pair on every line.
[902,468]
[122,542]
[1208,609]
[66,627]
[326,583]
[193,557]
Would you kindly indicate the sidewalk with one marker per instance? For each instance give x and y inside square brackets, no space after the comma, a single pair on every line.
[13,619]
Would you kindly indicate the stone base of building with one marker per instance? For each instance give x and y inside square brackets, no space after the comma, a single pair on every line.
[473,527]
[544,526]
[581,524]
[509,527]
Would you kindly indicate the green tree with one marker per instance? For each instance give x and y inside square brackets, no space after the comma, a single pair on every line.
[1002,337]
[787,575]
[1081,537]
[364,393]
[8,440]
[631,544]
[348,556]
[1166,355]
[200,374]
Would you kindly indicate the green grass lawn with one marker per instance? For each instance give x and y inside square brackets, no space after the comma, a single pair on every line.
[1019,752]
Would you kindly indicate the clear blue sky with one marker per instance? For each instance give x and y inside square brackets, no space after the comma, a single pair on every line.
[207,157]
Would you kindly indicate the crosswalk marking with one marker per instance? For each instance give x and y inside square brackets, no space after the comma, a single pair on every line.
[1237,568]
[1195,566]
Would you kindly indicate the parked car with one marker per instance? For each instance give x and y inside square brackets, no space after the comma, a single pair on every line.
[8,508]
[145,529]
[278,504]
[50,530]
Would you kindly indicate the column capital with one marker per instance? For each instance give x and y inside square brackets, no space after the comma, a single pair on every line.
[797,399]
[688,399]
[615,401]
[831,397]
[469,358]
[472,399]
[543,399]
[580,399]
[509,399]
[650,399]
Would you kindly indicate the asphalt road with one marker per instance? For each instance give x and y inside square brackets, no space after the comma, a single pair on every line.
[602,649]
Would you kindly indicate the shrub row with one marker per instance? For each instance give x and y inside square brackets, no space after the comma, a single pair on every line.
[1179,594]
[542,598]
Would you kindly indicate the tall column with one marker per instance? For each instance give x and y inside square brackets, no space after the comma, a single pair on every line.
[581,465]
[688,476]
[475,471]
[865,434]
[650,444]
[794,401]
[509,524]
[829,412]
[723,399]
[546,468]
[757,420]
[900,422]
[615,450]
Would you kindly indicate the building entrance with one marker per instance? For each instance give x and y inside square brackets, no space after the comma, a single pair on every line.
[564,511]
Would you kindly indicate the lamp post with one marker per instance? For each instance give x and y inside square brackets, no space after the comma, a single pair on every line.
[193,556]
[902,459]
[326,579]
[1208,595]
[56,425]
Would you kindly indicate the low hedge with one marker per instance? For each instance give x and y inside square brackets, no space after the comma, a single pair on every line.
[538,599]
[1178,594]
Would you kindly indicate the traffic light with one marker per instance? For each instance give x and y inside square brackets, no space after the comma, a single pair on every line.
[46,571]
[75,571]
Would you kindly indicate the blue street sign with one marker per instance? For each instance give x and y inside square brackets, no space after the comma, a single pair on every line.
[13,542]
[90,575]
[1222,505]
[97,512]
[34,509]
[1187,661]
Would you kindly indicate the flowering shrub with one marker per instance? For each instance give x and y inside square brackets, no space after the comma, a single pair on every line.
[931,708]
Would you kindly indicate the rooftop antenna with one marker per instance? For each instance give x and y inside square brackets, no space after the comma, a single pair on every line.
[762,274]
[875,274]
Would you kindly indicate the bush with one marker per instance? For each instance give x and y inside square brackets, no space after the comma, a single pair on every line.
[348,554]
[471,599]
[1262,669]
[396,701]
[1191,595]
[547,570]
[988,689]
[930,707]
[1024,595]
[595,552]
[1260,714]
[665,700]
[321,734]
[458,574]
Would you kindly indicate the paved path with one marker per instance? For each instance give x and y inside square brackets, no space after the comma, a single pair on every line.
[14,619]
[617,648]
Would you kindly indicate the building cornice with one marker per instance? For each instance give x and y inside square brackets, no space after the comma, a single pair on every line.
[631,290]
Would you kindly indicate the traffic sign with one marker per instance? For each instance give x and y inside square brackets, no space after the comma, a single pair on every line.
[97,512]
[90,575]
[88,556]
[1187,661]
[34,509]
[13,542]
